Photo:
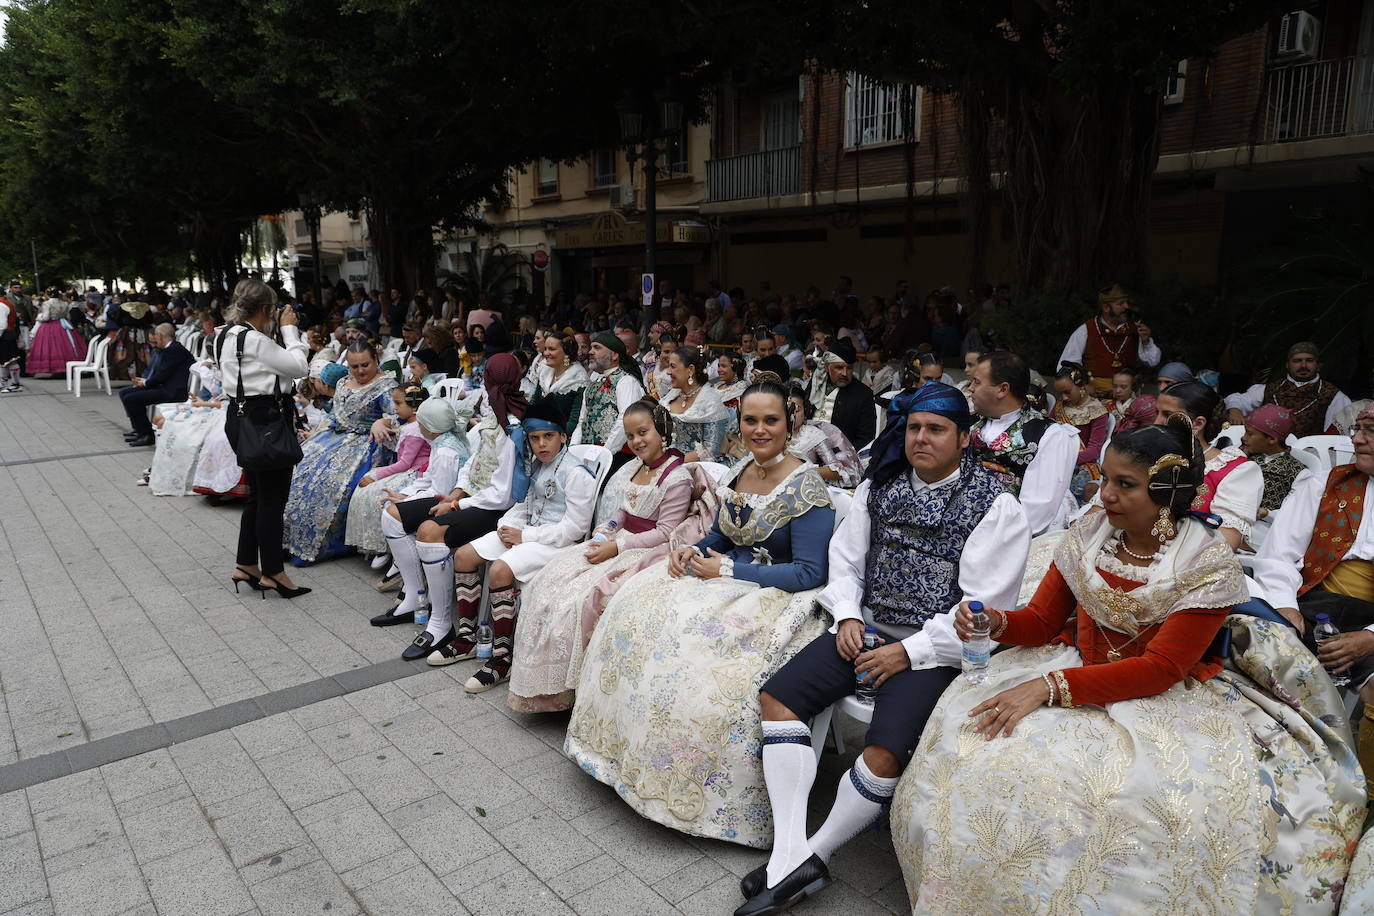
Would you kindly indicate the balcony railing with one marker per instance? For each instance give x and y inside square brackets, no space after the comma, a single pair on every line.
[767,174]
[1323,98]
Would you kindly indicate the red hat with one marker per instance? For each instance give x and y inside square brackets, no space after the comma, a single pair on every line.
[1272,420]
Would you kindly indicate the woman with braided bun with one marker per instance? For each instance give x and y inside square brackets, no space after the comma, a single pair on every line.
[700,420]
[563,602]
[1118,766]
[1077,406]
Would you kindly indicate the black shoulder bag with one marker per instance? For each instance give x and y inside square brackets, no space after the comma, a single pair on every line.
[261,429]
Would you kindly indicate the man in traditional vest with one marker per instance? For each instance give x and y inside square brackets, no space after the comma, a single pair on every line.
[928,528]
[1312,401]
[615,384]
[1111,341]
[1316,560]
[1033,456]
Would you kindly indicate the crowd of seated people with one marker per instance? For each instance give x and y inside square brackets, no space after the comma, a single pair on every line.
[676,527]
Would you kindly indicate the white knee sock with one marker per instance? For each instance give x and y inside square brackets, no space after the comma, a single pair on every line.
[858,802]
[407,561]
[789,770]
[438,563]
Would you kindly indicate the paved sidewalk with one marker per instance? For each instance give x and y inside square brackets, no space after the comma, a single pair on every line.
[407,795]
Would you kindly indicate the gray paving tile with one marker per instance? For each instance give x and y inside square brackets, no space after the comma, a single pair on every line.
[513,892]
[281,863]
[625,894]
[292,698]
[308,890]
[304,776]
[646,849]
[37,908]
[587,875]
[388,779]
[547,845]
[102,886]
[256,827]
[34,770]
[348,832]
[22,866]
[348,738]
[369,873]
[133,777]
[448,840]
[169,829]
[416,892]
[14,814]
[121,746]
[198,881]
[723,896]
[690,879]
[213,720]
[217,768]
[270,735]
[87,820]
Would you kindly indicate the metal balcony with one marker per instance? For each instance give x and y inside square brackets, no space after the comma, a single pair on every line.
[1321,98]
[770,173]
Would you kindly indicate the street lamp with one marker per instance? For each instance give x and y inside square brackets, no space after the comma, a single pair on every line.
[310,209]
[665,120]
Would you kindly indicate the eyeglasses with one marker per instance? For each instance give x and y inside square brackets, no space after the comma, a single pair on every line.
[1361,429]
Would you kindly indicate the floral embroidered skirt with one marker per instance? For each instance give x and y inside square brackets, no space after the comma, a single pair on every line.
[667,708]
[363,528]
[321,489]
[1239,795]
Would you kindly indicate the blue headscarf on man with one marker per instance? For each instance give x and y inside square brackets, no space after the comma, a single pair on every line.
[887,457]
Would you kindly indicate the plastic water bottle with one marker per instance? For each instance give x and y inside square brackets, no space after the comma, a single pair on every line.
[422,612]
[1324,631]
[600,537]
[978,648]
[863,681]
[484,640]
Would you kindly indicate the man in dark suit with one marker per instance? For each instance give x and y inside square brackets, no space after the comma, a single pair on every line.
[166,382]
[844,400]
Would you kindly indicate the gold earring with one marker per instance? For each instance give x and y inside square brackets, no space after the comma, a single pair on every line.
[1163,527]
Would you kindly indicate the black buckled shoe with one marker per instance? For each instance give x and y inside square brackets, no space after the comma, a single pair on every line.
[388,619]
[810,877]
[754,882]
[422,646]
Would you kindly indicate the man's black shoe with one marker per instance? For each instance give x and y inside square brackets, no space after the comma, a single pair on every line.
[806,879]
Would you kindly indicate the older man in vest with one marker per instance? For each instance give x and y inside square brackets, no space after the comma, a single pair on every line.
[927,529]
[1110,341]
[1312,401]
[615,384]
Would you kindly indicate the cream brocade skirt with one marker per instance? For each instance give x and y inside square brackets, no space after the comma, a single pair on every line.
[1239,795]
[667,708]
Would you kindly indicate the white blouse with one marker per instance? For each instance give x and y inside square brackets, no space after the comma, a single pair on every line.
[266,366]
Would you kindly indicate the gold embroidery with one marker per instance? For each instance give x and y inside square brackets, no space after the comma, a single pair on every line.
[1065,696]
[796,496]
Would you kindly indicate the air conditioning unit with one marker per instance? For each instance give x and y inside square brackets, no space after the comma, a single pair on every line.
[622,197]
[1298,34]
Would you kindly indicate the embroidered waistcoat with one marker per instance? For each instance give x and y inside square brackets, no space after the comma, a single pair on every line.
[1009,455]
[1338,522]
[1108,350]
[912,570]
[1307,404]
[601,413]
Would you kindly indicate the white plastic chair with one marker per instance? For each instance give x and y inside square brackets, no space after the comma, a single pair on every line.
[72,364]
[99,368]
[1317,464]
[1230,436]
[1333,450]
[597,457]
[450,389]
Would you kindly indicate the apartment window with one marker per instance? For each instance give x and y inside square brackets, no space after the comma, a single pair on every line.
[674,156]
[1173,86]
[782,121]
[547,178]
[603,168]
[874,111]
[355,255]
[302,229]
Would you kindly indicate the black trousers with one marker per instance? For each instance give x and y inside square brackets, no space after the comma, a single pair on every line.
[817,676]
[1347,614]
[260,528]
[137,401]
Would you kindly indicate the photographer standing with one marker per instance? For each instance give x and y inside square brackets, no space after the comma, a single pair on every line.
[1110,342]
[259,375]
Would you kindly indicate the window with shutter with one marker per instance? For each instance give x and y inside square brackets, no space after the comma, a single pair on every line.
[874,111]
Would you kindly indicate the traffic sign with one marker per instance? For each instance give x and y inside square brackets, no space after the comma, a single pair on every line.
[540,259]
[647,284]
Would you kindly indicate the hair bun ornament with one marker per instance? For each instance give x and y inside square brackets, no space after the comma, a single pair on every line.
[1168,461]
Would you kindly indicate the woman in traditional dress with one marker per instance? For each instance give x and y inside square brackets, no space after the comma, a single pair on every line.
[1076,405]
[731,372]
[700,420]
[822,443]
[364,527]
[1157,780]
[561,605]
[54,342]
[183,431]
[562,377]
[664,710]
[335,459]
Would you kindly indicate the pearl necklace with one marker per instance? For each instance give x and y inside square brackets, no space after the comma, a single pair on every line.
[1147,558]
[763,466]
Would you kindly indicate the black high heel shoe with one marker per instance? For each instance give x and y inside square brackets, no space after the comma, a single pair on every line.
[282,589]
[251,581]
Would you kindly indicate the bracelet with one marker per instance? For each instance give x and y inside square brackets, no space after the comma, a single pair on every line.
[1001,626]
[1049,701]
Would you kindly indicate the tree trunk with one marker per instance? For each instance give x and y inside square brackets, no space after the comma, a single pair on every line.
[402,234]
[1079,172]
